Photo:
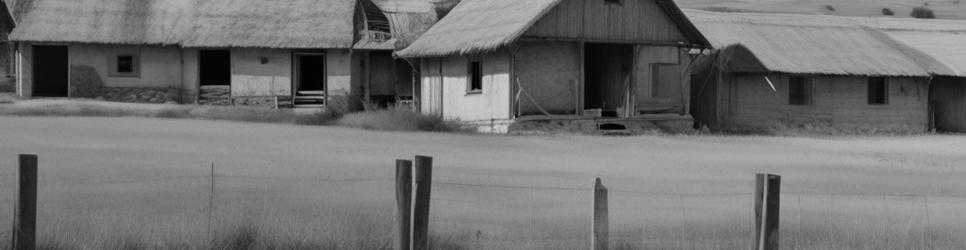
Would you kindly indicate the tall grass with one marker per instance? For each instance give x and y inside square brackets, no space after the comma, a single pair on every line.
[398,118]
[394,118]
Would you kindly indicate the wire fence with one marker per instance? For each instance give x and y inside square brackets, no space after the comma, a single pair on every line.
[293,207]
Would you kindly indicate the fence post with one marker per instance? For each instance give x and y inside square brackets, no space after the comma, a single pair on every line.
[423,173]
[404,198]
[600,235]
[25,213]
[767,193]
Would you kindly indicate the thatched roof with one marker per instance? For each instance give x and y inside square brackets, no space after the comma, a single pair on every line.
[192,23]
[476,26]
[828,45]
[408,19]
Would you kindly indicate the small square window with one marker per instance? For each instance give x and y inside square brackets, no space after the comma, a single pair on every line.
[475,70]
[799,91]
[126,65]
[878,91]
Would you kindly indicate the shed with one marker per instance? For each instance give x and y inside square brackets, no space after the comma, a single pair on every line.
[804,71]
[490,63]
[211,51]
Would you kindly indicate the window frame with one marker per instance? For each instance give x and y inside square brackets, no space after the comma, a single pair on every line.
[474,73]
[655,78]
[614,2]
[115,63]
[875,100]
[808,92]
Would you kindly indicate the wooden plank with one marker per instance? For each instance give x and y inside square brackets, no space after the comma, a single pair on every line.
[25,212]
[423,173]
[601,228]
[404,186]
[767,197]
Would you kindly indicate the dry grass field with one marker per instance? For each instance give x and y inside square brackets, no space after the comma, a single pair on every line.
[143,183]
[947,9]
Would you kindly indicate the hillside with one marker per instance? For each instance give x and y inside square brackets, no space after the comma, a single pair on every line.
[948,9]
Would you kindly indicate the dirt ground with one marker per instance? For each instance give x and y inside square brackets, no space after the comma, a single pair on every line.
[117,177]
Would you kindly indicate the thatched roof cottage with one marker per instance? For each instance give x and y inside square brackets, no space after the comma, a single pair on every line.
[805,71]
[235,51]
[495,62]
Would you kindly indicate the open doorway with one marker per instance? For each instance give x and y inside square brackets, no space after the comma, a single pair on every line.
[947,104]
[214,72]
[309,80]
[607,77]
[215,67]
[50,71]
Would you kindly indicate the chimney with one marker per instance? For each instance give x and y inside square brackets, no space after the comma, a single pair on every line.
[442,7]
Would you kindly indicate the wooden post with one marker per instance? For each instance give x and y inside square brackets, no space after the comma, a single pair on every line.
[404,198]
[767,192]
[599,236]
[25,212]
[423,179]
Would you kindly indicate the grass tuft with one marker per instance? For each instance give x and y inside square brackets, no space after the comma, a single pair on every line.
[398,118]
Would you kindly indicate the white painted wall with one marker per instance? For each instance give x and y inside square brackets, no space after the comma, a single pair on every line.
[492,104]
[160,66]
[250,77]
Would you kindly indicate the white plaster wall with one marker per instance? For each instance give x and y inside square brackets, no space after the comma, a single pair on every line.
[492,104]
[190,78]
[160,66]
[249,77]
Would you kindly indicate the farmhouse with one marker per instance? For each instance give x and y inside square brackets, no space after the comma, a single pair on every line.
[311,53]
[492,63]
[778,70]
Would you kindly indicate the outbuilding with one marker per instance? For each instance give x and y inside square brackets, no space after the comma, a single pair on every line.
[308,53]
[817,72]
[491,63]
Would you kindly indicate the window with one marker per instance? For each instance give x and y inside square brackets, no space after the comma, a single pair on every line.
[125,66]
[799,90]
[617,2]
[878,91]
[476,77]
[665,80]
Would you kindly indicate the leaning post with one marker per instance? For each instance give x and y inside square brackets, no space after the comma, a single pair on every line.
[423,174]
[767,196]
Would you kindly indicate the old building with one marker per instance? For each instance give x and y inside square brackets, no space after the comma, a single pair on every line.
[807,71]
[492,63]
[215,51]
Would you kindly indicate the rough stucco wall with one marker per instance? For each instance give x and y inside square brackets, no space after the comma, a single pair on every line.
[838,101]
[190,78]
[344,84]
[550,73]
[492,104]
[644,85]
[160,66]
[249,77]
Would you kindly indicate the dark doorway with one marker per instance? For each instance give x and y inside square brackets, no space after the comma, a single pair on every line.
[607,71]
[50,71]
[309,79]
[947,104]
[215,67]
